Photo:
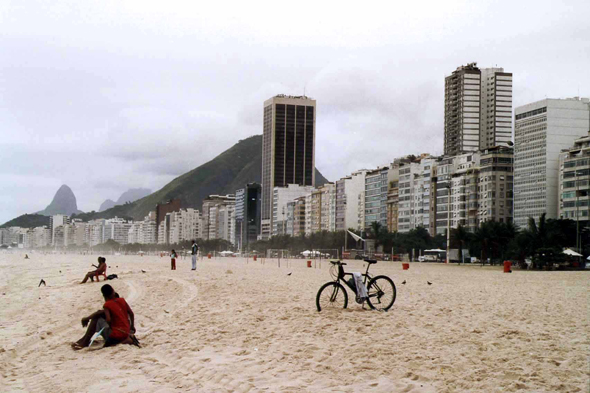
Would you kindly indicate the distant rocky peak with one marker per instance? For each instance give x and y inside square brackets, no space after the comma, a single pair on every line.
[64,202]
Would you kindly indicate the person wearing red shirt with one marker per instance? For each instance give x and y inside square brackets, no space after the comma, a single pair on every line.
[116,321]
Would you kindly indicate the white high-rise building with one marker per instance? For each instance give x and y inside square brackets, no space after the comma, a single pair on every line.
[478,109]
[184,225]
[55,221]
[414,193]
[542,130]
[349,212]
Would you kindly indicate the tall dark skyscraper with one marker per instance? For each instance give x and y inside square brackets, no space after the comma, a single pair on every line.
[288,148]
[247,215]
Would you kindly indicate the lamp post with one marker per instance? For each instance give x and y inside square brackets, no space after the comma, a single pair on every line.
[449,186]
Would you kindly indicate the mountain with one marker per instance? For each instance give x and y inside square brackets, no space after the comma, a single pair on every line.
[226,173]
[130,195]
[229,171]
[27,221]
[109,203]
[64,202]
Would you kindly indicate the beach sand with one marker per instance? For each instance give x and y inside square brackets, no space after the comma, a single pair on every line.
[245,326]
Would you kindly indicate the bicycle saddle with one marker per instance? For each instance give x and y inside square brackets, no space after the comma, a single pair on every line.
[371,261]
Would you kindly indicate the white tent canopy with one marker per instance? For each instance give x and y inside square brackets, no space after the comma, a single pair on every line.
[435,250]
[307,253]
[567,251]
[226,253]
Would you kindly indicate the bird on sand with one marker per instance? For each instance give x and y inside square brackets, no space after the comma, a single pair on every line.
[404,283]
[143,271]
[429,283]
[42,282]
[288,274]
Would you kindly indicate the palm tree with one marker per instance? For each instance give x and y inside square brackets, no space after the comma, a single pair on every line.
[376,231]
[483,235]
[461,236]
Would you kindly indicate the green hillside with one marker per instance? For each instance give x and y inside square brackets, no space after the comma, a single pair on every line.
[27,221]
[229,171]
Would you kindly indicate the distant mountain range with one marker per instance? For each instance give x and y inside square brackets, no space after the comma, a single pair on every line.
[128,196]
[226,173]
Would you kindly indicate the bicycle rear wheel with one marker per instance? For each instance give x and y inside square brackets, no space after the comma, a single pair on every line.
[331,295]
[381,291]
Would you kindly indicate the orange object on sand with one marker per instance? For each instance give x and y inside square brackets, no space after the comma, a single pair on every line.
[101,273]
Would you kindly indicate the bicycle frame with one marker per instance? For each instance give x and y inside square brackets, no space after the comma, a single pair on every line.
[342,274]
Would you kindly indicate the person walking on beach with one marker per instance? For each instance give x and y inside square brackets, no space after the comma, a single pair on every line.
[173,257]
[115,322]
[194,251]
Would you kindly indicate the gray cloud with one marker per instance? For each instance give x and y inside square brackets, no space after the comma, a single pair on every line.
[105,96]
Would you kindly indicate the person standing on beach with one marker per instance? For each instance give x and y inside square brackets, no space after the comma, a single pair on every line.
[173,257]
[194,251]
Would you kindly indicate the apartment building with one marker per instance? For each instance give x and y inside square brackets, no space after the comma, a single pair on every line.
[299,217]
[574,182]
[116,229]
[349,211]
[375,197]
[211,207]
[495,186]
[55,221]
[542,130]
[281,197]
[456,180]
[478,109]
[414,192]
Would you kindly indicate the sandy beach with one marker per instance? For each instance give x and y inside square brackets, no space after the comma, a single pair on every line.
[238,325]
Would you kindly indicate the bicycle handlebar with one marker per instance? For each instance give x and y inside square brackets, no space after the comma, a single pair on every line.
[338,263]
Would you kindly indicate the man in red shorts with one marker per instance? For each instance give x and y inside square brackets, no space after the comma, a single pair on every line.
[115,322]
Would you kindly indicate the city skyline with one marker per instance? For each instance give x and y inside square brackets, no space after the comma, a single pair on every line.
[105,115]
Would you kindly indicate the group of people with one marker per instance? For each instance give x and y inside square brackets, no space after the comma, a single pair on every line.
[194,252]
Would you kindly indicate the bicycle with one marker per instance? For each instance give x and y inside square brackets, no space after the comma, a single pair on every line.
[381,289]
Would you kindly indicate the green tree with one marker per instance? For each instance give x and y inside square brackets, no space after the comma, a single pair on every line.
[461,236]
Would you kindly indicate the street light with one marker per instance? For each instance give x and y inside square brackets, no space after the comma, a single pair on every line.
[449,187]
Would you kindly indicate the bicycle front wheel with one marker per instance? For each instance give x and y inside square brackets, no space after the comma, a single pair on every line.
[331,295]
[381,291]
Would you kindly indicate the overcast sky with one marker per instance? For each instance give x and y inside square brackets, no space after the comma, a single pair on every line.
[109,95]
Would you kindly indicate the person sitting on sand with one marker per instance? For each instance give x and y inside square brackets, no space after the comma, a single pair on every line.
[115,321]
[100,269]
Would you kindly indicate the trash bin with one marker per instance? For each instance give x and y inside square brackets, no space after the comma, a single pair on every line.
[405,266]
[255,256]
[308,263]
[209,256]
[507,267]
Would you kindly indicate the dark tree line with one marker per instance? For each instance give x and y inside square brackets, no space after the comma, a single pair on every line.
[543,241]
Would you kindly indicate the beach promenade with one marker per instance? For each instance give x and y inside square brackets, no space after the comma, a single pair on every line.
[236,326]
